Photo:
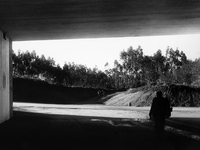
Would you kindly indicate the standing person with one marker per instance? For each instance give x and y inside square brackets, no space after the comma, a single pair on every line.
[160,110]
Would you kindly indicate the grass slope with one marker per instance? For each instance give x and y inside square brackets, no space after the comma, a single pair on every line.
[36,91]
[179,95]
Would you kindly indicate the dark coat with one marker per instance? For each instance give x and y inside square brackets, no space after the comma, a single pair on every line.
[160,108]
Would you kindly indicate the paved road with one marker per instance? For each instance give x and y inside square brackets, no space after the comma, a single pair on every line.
[182,118]
[42,126]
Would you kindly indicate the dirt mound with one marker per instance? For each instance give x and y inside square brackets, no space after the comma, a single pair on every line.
[179,95]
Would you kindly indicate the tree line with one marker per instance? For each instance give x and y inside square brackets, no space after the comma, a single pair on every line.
[133,69]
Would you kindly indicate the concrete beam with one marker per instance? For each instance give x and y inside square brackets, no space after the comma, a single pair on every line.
[5,78]
[70,19]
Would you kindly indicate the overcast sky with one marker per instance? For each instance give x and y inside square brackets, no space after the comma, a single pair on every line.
[97,52]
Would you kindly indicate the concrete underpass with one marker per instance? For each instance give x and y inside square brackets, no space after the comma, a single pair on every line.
[24,20]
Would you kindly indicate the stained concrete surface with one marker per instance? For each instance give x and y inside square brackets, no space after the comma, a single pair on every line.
[68,19]
[37,130]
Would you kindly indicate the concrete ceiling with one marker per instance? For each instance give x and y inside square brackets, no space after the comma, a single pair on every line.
[67,19]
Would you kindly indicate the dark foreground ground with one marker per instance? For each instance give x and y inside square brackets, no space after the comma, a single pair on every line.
[34,131]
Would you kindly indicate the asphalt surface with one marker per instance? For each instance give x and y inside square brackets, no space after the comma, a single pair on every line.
[97,127]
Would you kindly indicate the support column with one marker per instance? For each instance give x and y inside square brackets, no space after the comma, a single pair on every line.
[5,78]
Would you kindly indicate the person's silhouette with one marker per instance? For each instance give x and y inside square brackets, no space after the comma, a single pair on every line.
[160,110]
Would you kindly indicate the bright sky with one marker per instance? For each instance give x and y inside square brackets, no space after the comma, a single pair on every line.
[97,52]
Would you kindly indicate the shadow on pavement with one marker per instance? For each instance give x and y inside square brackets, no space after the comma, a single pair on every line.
[54,132]
[186,124]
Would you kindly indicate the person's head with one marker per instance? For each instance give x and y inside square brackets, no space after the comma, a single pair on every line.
[159,94]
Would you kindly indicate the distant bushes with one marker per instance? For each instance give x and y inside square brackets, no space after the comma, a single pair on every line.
[29,65]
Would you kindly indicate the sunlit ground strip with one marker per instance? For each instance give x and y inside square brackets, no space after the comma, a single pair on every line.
[92,112]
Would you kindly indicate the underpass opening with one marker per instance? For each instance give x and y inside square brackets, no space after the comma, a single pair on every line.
[34,20]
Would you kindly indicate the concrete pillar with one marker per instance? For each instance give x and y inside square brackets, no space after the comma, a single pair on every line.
[5,78]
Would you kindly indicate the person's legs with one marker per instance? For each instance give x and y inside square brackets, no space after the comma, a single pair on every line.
[159,126]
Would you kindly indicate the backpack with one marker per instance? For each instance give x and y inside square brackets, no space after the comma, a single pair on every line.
[168,113]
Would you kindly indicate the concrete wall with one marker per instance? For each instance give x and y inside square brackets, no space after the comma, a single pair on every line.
[5,78]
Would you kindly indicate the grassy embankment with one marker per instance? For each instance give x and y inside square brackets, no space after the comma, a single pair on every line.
[37,91]
[27,90]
